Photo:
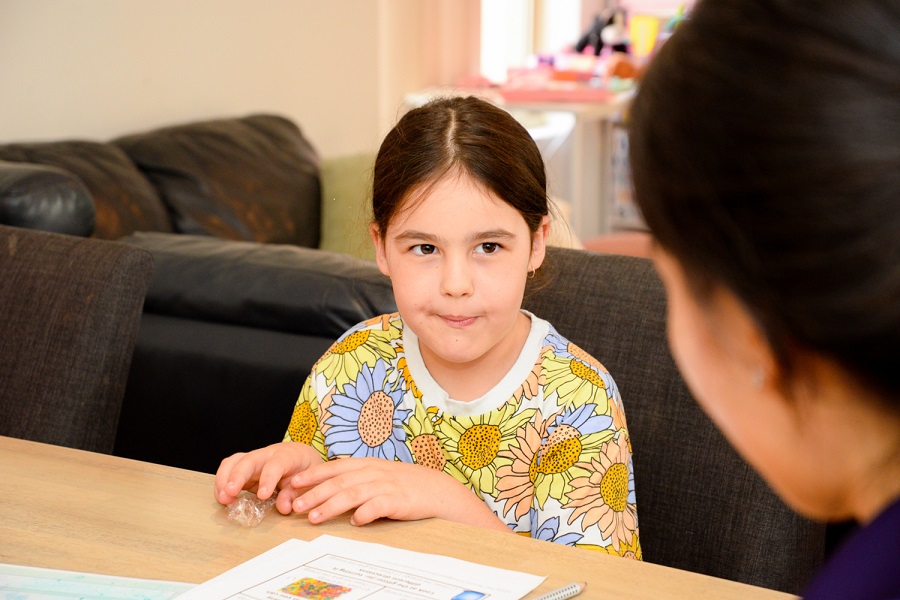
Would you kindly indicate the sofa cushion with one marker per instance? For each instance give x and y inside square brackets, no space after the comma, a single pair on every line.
[254,178]
[124,201]
[269,286]
[347,205]
[46,198]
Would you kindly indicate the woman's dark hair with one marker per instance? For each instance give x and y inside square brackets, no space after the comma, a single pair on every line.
[465,135]
[765,153]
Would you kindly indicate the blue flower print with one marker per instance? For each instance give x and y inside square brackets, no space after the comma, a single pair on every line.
[365,419]
[549,529]
[583,419]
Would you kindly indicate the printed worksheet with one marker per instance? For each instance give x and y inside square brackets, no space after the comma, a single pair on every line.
[330,567]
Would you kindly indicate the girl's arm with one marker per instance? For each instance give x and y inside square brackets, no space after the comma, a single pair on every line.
[379,488]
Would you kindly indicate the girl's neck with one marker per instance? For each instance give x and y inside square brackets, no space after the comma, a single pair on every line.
[469,381]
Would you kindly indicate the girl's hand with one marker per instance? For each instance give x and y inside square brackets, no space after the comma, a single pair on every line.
[383,488]
[264,471]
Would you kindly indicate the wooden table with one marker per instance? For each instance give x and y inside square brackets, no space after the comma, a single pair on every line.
[76,510]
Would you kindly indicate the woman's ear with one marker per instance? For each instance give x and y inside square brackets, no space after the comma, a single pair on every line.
[744,340]
[539,243]
[380,254]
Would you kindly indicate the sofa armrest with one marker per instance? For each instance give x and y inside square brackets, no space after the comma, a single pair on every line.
[268,286]
[47,198]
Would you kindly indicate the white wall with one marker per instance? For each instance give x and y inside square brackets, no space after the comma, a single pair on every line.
[95,69]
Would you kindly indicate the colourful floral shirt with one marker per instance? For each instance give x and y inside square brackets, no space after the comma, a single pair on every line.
[547,449]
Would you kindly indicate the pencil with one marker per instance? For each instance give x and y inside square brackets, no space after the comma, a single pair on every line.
[566,591]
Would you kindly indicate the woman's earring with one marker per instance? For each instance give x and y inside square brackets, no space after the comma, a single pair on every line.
[531,275]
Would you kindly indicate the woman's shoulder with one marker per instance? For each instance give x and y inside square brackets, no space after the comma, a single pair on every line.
[866,565]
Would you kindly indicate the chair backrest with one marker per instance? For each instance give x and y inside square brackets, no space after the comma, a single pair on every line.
[69,315]
[700,506]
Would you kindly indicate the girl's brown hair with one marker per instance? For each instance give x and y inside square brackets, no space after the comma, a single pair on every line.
[466,135]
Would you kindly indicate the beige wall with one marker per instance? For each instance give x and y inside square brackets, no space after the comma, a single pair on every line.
[95,69]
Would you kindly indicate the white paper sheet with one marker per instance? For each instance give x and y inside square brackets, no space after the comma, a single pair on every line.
[333,567]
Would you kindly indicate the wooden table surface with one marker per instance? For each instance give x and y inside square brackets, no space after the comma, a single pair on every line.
[81,511]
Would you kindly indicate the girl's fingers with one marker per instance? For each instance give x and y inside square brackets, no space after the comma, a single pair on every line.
[285,499]
[324,471]
[244,472]
[271,475]
[224,492]
[375,508]
[336,495]
[260,471]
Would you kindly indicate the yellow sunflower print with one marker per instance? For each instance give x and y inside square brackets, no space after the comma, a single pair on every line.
[546,456]
[390,323]
[477,445]
[304,425]
[344,360]
[405,375]
[630,549]
[423,442]
[574,380]
[605,496]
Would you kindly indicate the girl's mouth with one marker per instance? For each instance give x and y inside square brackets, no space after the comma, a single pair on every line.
[458,320]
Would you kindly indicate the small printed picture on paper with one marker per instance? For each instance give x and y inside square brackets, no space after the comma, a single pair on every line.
[311,588]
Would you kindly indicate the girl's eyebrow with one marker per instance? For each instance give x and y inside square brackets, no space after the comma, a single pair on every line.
[421,236]
[492,234]
[418,236]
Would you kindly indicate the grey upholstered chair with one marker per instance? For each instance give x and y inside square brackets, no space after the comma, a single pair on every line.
[69,314]
[700,506]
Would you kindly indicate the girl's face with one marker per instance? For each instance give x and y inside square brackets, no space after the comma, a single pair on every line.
[459,260]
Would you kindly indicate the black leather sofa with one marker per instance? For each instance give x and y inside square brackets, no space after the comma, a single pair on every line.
[251,178]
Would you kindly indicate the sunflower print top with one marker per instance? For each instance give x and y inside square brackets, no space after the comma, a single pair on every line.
[547,449]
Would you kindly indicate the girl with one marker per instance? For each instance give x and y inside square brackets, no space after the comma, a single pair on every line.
[462,405]
[765,152]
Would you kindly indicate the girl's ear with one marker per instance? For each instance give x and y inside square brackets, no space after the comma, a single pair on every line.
[380,255]
[539,243]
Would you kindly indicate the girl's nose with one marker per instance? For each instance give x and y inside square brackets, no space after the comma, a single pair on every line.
[456,278]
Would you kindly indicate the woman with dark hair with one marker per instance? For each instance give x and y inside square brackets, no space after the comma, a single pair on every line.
[765,152]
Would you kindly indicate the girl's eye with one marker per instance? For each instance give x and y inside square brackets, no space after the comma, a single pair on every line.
[423,249]
[487,248]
